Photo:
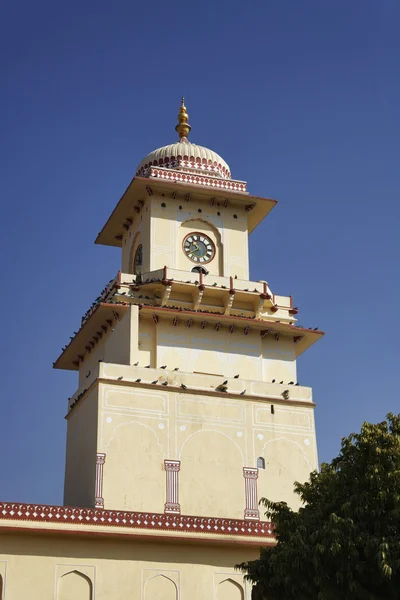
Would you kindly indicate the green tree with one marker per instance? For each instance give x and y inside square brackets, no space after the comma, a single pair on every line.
[344,543]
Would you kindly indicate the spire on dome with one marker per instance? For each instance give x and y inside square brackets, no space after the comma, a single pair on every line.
[183,126]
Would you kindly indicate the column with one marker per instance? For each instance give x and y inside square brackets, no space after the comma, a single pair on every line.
[172,468]
[100,460]
[250,477]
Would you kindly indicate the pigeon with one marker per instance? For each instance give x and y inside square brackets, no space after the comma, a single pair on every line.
[315,328]
[297,384]
[291,383]
[235,276]
[138,380]
[273,381]
[215,284]
[101,360]
[120,378]
[221,388]
[176,369]
[281,382]
[225,382]
[147,366]
[154,382]
[242,393]
[136,364]
[236,377]
[165,383]
[183,386]
[163,367]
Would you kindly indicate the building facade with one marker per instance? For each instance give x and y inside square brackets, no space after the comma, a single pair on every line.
[188,408]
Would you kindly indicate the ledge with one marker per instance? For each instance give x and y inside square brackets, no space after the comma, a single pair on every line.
[13,515]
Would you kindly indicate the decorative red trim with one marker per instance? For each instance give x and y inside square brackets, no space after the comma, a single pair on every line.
[193,178]
[190,162]
[44,513]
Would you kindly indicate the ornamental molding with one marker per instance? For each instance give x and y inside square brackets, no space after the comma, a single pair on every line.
[191,163]
[194,179]
[44,513]
[250,473]
[172,465]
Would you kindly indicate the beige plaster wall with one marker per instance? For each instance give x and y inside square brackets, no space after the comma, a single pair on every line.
[62,568]
[139,233]
[278,359]
[209,351]
[121,345]
[212,437]
[90,364]
[80,464]
[147,342]
[170,224]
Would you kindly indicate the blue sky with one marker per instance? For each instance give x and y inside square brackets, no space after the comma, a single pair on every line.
[300,98]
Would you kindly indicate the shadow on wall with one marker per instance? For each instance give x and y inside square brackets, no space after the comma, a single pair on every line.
[131,550]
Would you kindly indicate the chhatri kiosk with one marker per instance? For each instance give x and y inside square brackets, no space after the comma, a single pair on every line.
[187,409]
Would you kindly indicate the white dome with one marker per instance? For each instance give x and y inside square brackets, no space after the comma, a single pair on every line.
[185,156]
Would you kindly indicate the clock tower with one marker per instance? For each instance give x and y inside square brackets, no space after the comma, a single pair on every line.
[187,368]
[188,407]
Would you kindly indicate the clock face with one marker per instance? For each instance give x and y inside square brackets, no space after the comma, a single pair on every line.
[199,248]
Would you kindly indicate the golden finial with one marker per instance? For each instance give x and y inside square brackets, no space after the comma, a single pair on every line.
[183,126]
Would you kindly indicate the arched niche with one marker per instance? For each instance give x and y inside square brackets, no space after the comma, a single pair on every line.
[133,474]
[74,586]
[287,462]
[134,252]
[215,266]
[160,587]
[230,590]
[211,464]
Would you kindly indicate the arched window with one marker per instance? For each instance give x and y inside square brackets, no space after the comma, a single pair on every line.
[200,270]
[138,260]
[260,462]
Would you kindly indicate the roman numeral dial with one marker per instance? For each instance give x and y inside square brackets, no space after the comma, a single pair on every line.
[198,248]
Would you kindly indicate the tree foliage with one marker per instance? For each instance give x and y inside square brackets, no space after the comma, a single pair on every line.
[344,543]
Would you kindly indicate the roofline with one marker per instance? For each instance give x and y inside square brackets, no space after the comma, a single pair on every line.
[107,236]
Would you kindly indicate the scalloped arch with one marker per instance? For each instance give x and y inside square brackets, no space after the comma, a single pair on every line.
[76,585]
[230,590]
[160,587]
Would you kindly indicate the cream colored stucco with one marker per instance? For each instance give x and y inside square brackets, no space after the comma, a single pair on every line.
[79,568]
[187,411]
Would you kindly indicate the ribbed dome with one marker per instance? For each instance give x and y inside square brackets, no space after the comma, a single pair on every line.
[185,156]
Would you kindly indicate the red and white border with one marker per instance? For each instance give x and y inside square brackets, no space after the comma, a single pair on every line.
[43,513]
